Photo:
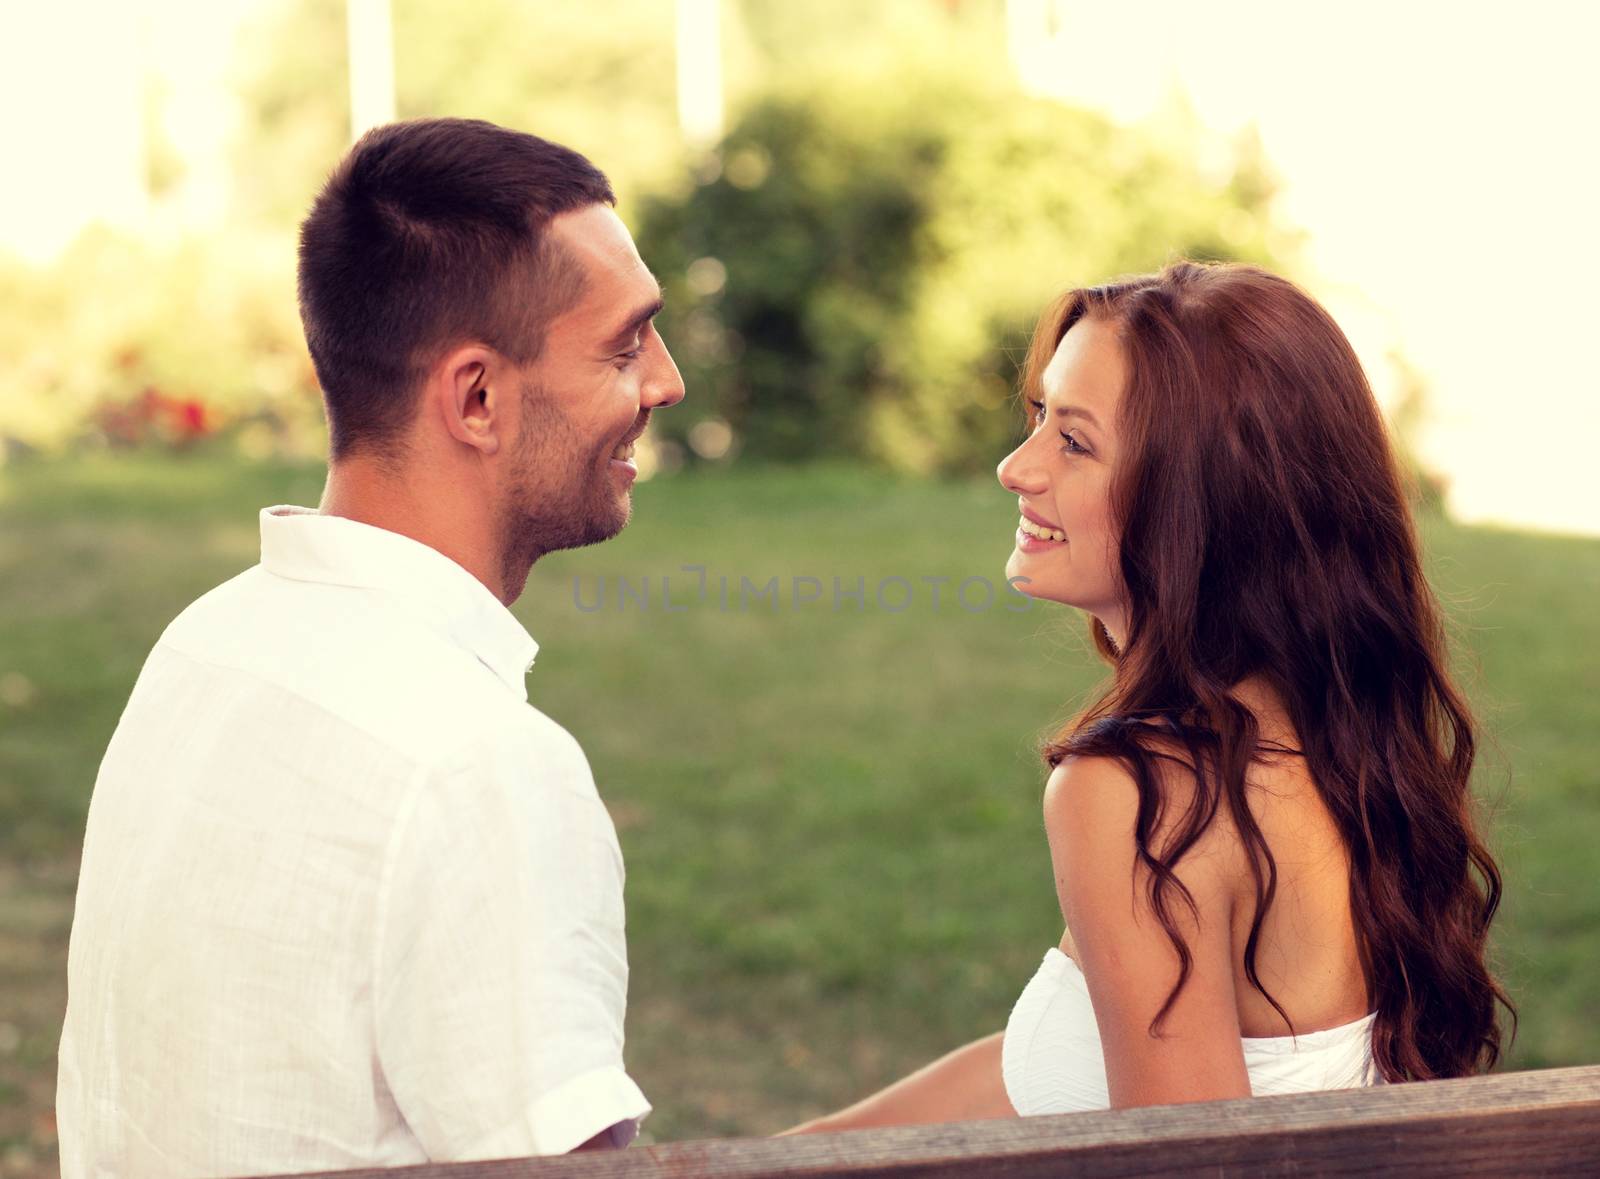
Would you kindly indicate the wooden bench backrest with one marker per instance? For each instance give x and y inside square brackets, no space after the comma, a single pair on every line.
[1531,1123]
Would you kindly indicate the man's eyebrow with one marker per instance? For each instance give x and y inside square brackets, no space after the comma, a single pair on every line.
[1071,411]
[624,336]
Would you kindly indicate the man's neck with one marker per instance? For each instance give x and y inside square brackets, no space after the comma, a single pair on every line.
[432,511]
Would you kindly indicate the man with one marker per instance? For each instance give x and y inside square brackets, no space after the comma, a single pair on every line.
[346,899]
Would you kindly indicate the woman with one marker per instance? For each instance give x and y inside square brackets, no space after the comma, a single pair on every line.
[1263,841]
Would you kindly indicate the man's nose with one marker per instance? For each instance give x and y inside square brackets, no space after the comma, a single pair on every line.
[665,384]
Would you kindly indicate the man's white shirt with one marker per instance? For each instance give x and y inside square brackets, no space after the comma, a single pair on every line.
[346,899]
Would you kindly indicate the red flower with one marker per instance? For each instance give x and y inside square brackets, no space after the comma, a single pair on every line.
[191,417]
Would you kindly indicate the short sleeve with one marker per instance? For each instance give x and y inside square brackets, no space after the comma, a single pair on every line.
[500,973]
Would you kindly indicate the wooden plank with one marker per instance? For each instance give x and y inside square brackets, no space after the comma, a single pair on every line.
[1532,1123]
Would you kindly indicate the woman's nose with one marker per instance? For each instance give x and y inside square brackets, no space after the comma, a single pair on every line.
[1021,473]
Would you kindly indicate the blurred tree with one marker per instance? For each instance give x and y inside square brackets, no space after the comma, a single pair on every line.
[883,238]
[1409,419]
[295,109]
[599,80]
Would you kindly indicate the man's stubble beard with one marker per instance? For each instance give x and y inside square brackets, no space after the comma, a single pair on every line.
[561,494]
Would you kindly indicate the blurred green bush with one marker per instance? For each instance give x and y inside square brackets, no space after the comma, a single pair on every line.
[857,269]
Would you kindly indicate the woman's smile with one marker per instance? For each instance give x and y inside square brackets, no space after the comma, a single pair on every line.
[1033,537]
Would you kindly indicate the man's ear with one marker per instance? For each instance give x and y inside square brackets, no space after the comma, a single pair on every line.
[470,388]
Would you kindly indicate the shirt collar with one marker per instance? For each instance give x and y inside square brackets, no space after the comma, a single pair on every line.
[305,545]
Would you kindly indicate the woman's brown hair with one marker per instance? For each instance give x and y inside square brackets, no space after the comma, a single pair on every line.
[1265,532]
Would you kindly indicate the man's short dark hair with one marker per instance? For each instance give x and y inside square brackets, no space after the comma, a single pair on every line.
[429,234]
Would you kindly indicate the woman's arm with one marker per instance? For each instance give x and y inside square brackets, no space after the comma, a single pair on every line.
[963,1086]
[1091,805]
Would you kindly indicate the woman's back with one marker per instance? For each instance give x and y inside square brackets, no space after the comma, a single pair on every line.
[1315,1030]
[1306,954]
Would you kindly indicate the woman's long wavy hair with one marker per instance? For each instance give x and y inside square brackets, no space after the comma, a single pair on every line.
[1265,533]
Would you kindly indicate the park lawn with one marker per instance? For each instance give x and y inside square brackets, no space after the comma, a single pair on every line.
[829,809]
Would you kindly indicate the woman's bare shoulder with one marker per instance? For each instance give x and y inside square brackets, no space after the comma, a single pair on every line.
[1094,812]
[1101,793]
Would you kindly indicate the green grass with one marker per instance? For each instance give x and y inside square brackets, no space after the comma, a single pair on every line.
[836,864]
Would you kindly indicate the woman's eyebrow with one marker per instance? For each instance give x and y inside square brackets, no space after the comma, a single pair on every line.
[1069,411]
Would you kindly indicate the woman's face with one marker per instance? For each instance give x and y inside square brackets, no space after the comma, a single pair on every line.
[1066,542]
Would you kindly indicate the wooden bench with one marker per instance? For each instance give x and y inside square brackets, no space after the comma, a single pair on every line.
[1532,1123]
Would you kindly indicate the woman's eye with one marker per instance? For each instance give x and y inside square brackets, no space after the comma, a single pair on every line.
[1072,445]
[1036,417]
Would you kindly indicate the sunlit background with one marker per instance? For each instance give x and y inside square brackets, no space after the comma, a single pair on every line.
[1436,162]
[856,210]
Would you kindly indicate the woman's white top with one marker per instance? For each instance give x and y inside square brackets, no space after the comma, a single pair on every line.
[1053,1063]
